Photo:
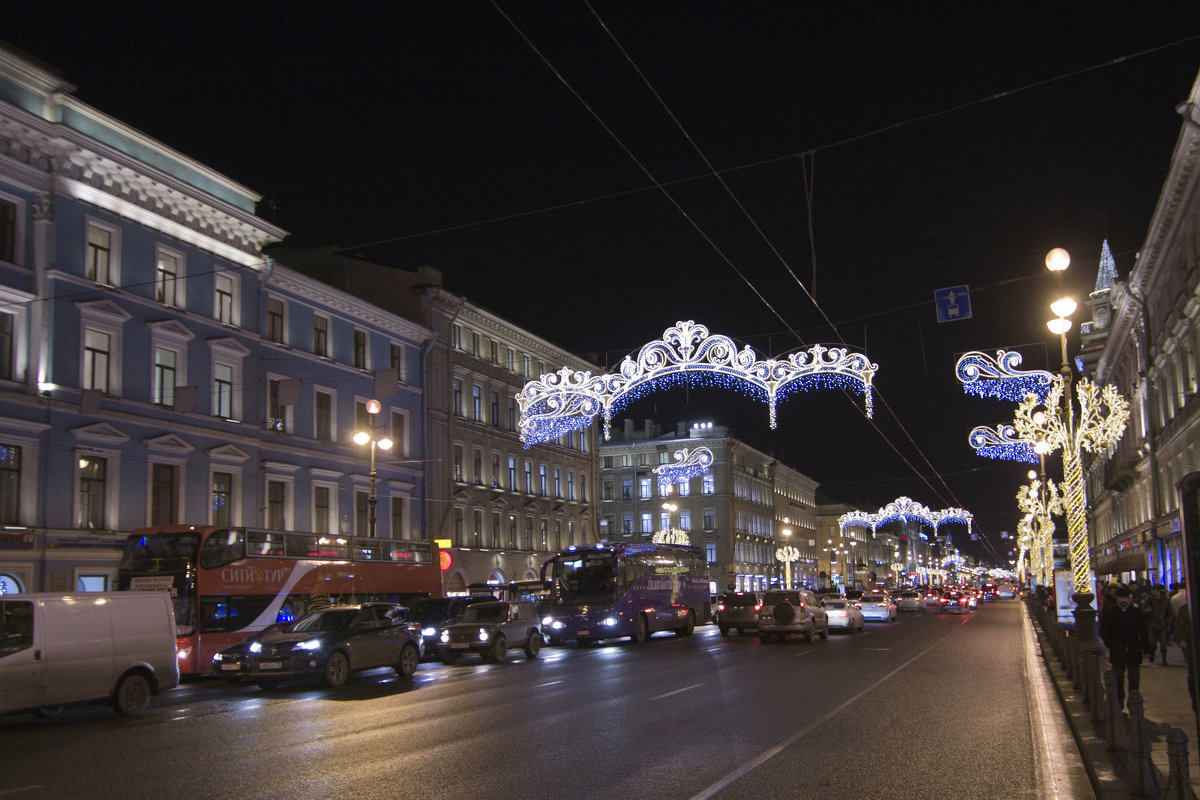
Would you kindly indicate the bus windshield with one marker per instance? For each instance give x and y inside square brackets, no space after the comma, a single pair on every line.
[160,552]
[585,578]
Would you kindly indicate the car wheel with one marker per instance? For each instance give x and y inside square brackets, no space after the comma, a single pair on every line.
[269,683]
[825,631]
[499,648]
[808,634]
[689,625]
[449,657]
[336,670]
[725,630]
[407,665]
[533,645]
[640,630]
[132,696]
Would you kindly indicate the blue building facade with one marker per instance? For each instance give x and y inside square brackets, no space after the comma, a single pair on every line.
[157,367]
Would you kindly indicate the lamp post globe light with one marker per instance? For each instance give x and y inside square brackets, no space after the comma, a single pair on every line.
[1103,414]
[787,554]
[368,438]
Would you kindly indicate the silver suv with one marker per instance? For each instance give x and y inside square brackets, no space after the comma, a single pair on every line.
[792,611]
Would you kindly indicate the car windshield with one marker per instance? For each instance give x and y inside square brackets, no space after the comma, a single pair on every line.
[332,620]
[485,612]
[773,598]
[835,603]
[740,600]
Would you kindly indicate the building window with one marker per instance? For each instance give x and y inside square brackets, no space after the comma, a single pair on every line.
[685,488]
[7,341]
[87,582]
[99,253]
[222,391]
[476,403]
[645,488]
[497,538]
[528,477]
[96,348]
[583,487]
[458,462]
[8,231]
[557,483]
[627,524]
[685,520]
[221,499]
[570,485]
[664,521]
[164,377]
[475,344]
[456,337]
[276,419]
[396,360]
[223,298]
[275,311]
[167,283]
[542,479]
[10,484]
[708,485]
[399,433]
[495,470]
[456,397]
[360,349]
[627,488]
[397,517]
[458,526]
[512,474]
[606,491]
[321,335]
[710,552]
[647,522]
[92,484]
[162,494]
[321,509]
[276,505]
[710,519]
[477,467]
[512,413]
[495,420]
[323,416]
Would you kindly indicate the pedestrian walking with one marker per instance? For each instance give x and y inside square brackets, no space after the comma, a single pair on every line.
[1124,632]
[1158,621]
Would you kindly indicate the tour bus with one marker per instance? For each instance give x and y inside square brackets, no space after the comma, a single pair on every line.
[228,583]
[613,589]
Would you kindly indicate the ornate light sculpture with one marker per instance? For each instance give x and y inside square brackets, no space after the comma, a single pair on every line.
[688,464]
[1002,442]
[984,376]
[788,555]
[1038,500]
[1103,415]
[564,401]
[905,509]
[671,536]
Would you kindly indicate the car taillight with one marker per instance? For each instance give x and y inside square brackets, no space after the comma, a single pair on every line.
[758,607]
[720,607]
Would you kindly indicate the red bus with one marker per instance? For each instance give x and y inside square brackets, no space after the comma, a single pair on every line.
[229,583]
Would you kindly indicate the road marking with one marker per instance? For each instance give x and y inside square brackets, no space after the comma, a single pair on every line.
[877,649]
[805,652]
[677,691]
[770,753]
[542,685]
[22,789]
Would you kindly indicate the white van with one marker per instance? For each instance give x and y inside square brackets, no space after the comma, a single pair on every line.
[57,649]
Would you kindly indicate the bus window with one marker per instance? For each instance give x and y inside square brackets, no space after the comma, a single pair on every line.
[231,612]
[367,550]
[300,546]
[264,543]
[223,547]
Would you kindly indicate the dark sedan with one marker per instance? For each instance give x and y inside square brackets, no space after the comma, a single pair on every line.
[334,642]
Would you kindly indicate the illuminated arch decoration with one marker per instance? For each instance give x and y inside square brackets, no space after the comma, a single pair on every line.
[689,464]
[1003,443]
[565,401]
[984,376]
[905,509]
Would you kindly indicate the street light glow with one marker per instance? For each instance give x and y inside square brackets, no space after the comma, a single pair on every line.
[1064,307]
[1058,259]
[1059,326]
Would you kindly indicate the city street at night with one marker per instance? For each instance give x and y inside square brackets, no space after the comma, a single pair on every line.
[899,710]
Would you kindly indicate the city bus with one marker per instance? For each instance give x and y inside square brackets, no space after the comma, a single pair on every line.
[229,583]
[614,589]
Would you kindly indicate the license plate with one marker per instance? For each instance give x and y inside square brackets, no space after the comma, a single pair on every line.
[581,632]
[457,646]
[267,665]
[231,666]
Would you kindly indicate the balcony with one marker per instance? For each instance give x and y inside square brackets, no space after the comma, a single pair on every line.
[1120,472]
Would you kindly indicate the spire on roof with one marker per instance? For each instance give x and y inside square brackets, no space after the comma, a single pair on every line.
[1108,270]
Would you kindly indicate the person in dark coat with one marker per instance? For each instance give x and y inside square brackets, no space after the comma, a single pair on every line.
[1125,634]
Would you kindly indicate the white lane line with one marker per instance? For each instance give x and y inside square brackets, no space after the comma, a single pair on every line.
[677,691]
[542,685]
[805,652]
[770,753]
[21,789]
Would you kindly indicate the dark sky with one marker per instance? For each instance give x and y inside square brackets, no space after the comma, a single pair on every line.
[886,149]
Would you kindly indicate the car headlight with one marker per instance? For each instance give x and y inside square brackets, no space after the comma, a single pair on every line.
[429,631]
[256,647]
[483,634]
[445,637]
[547,620]
[311,644]
[609,621]
[558,625]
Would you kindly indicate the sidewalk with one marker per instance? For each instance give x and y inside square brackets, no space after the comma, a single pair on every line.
[1167,706]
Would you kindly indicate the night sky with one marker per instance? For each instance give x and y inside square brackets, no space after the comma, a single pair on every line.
[597,172]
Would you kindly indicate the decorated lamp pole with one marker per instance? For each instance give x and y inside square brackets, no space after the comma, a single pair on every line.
[1038,500]
[787,554]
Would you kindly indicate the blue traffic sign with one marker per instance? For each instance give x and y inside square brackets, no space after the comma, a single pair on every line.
[952,303]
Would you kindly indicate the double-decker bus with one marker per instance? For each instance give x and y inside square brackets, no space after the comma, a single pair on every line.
[613,589]
[229,583]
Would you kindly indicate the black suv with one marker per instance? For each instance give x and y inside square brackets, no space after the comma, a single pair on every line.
[737,610]
[435,613]
[335,641]
[792,611]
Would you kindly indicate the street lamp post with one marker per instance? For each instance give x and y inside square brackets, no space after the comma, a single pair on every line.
[787,554]
[369,438]
[1101,422]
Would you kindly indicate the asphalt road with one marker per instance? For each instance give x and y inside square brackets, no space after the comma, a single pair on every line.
[933,706]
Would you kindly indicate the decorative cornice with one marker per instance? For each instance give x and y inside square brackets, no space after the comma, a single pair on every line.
[285,279]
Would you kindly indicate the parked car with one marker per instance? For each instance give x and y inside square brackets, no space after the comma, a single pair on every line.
[792,611]
[737,610]
[844,615]
[956,602]
[333,642]
[61,648]
[490,629]
[434,613]
[877,608]
[910,601]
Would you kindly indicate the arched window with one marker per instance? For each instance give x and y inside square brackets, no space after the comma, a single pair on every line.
[9,584]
